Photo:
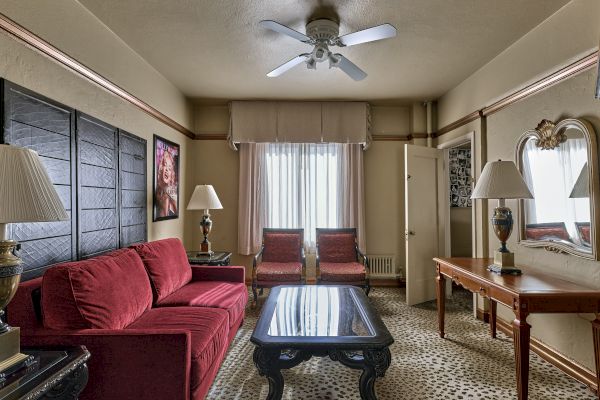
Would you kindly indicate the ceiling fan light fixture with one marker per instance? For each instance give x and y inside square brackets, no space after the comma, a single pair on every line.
[322,33]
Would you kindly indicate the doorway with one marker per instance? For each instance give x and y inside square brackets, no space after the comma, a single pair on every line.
[459,229]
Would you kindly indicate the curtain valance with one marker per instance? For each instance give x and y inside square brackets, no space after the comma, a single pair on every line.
[299,122]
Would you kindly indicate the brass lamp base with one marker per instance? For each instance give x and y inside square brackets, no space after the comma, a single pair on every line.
[11,358]
[206,225]
[504,263]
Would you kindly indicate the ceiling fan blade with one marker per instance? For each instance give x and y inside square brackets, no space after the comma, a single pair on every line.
[348,67]
[368,35]
[277,27]
[288,65]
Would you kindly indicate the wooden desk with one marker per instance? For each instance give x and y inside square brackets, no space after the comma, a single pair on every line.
[524,294]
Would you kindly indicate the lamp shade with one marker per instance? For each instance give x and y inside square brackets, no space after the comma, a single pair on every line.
[26,193]
[581,188]
[501,180]
[204,198]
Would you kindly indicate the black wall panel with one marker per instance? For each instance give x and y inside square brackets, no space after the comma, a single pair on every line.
[133,189]
[38,123]
[98,171]
[97,195]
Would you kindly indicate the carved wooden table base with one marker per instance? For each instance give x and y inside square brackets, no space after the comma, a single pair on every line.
[525,294]
[373,362]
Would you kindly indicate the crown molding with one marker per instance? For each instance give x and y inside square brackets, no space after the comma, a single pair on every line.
[562,74]
[19,32]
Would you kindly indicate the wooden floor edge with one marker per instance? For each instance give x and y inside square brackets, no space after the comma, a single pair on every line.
[569,367]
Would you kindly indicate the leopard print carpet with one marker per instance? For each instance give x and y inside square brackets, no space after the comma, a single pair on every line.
[468,364]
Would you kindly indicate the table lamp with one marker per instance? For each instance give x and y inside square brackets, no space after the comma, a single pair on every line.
[205,198]
[27,195]
[501,180]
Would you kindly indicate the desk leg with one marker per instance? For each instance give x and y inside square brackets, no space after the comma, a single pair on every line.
[493,308]
[521,337]
[596,333]
[441,301]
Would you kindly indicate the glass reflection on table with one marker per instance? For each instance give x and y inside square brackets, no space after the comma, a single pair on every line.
[318,311]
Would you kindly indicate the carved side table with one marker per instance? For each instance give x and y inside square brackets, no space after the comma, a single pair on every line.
[56,373]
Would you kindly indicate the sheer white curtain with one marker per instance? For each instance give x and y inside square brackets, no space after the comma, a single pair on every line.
[299,185]
[551,175]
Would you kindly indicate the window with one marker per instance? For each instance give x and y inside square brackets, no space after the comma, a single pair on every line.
[302,186]
[299,185]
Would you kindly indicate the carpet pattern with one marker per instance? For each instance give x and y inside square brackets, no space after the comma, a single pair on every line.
[468,364]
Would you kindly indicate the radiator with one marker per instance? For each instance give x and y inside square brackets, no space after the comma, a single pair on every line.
[383,266]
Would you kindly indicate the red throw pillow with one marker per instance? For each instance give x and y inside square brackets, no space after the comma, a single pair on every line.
[167,264]
[106,292]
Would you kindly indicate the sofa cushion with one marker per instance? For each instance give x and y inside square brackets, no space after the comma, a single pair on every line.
[209,328]
[337,247]
[279,271]
[106,292]
[167,265]
[282,247]
[342,272]
[231,297]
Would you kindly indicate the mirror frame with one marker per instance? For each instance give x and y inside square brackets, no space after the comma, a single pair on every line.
[549,136]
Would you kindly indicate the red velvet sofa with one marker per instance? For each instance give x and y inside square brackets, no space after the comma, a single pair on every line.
[157,328]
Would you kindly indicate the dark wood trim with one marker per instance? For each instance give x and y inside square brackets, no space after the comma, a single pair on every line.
[458,123]
[211,136]
[41,45]
[376,138]
[562,74]
[418,136]
[569,367]
[390,138]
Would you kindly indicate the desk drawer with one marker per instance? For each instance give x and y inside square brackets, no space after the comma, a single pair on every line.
[471,284]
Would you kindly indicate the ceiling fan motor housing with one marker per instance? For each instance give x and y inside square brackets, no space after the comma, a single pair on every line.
[324,30]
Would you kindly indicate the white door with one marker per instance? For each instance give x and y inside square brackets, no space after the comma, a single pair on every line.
[425,214]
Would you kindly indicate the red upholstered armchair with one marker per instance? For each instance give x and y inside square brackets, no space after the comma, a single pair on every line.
[280,261]
[338,259]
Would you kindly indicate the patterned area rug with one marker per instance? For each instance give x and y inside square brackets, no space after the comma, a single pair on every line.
[468,364]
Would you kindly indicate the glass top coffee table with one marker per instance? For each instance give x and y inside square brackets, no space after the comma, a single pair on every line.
[299,322]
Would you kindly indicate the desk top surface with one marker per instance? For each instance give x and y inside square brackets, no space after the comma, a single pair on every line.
[529,282]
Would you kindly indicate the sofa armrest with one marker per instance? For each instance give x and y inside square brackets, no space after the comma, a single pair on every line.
[226,274]
[128,364]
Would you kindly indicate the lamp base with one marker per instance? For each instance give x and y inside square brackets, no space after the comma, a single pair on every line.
[11,358]
[504,263]
[205,247]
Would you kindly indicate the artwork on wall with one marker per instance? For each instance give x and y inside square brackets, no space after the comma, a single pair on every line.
[460,178]
[166,179]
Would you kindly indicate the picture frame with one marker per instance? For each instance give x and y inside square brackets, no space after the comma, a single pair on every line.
[165,182]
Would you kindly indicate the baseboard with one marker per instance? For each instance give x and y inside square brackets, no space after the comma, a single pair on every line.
[569,367]
[483,315]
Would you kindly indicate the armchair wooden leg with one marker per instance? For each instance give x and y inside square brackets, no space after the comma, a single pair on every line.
[254,293]
[367,288]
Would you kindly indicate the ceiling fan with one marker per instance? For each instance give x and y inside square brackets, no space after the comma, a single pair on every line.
[323,33]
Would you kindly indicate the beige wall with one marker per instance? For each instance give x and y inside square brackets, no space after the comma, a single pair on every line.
[215,163]
[570,334]
[565,37]
[26,67]
[461,232]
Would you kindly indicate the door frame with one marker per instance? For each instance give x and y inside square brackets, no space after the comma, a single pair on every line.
[446,146]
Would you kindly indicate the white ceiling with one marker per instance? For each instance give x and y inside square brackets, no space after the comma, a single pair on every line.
[215,50]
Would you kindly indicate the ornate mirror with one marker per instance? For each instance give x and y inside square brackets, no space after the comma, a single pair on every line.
[559,163]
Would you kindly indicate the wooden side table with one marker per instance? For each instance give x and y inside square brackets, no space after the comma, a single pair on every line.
[221,258]
[56,373]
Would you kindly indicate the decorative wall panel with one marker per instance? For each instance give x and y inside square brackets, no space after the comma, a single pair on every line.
[97,175]
[40,124]
[98,171]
